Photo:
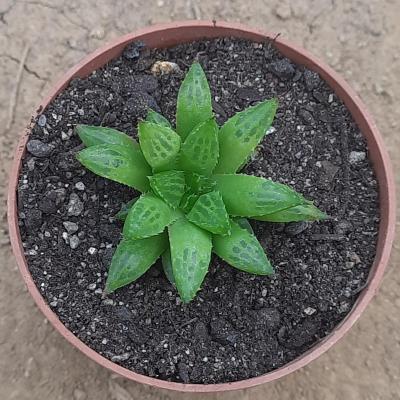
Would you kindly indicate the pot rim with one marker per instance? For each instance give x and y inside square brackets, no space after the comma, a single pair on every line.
[165,35]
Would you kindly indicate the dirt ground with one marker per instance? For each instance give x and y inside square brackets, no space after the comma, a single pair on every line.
[359,39]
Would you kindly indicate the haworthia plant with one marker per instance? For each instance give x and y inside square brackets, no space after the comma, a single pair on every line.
[193,201]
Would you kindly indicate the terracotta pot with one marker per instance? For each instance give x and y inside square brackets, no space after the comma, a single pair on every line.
[170,35]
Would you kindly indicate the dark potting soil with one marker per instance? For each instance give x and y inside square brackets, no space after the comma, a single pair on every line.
[240,325]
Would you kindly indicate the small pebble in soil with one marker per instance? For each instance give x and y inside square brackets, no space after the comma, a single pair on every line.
[310,310]
[311,79]
[354,257]
[356,156]
[183,372]
[80,186]
[132,51]
[75,205]
[164,67]
[282,68]
[348,265]
[92,251]
[71,227]
[31,164]
[38,148]
[223,332]
[42,120]
[74,242]
[121,357]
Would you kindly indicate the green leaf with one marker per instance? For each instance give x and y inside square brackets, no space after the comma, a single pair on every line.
[194,101]
[188,200]
[196,185]
[248,196]
[160,145]
[199,184]
[158,119]
[190,254]
[95,135]
[303,212]
[119,163]
[123,212]
[169,185]
[210,214]
[242,250]
[133,258]
[239,136]
[245,224]
[167,266]
[147,217]
[199,152]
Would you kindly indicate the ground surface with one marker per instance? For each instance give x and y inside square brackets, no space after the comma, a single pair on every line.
[359,39]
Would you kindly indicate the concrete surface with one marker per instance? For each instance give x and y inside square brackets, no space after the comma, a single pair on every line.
[360,39]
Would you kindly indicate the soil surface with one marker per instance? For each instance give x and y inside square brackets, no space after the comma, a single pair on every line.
[358,39]
[240,325]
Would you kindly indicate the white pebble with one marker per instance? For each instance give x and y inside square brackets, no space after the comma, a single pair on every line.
[80,185]
[356,156]
[310,311]
[92,250]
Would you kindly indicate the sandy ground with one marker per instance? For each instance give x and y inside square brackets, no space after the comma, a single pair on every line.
[360,39]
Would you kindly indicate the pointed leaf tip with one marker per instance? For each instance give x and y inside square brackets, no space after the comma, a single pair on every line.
[156,118]
[160,146]
[242,250]
[194,101]
[302,212]
[190,255]
[239,136]
[119,163]
[132,259]
[248,196]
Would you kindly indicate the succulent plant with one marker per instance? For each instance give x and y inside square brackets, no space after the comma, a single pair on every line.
[193,201]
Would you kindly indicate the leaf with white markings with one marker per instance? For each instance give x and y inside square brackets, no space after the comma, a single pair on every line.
[119,163]
[245,224]
[156,118]
[199,184]
[169,185]
[194,101]
[95,135]
[303,212]
[242,250]
[210,214]
[248,196]
[239,136]
[190,255]
[133,258]
[160,145]
[199,152]
[147,217]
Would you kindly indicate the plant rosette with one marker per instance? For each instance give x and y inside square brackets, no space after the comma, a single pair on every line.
[191,187]
[195,194]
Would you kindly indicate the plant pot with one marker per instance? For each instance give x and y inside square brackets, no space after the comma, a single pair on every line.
[171,34]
